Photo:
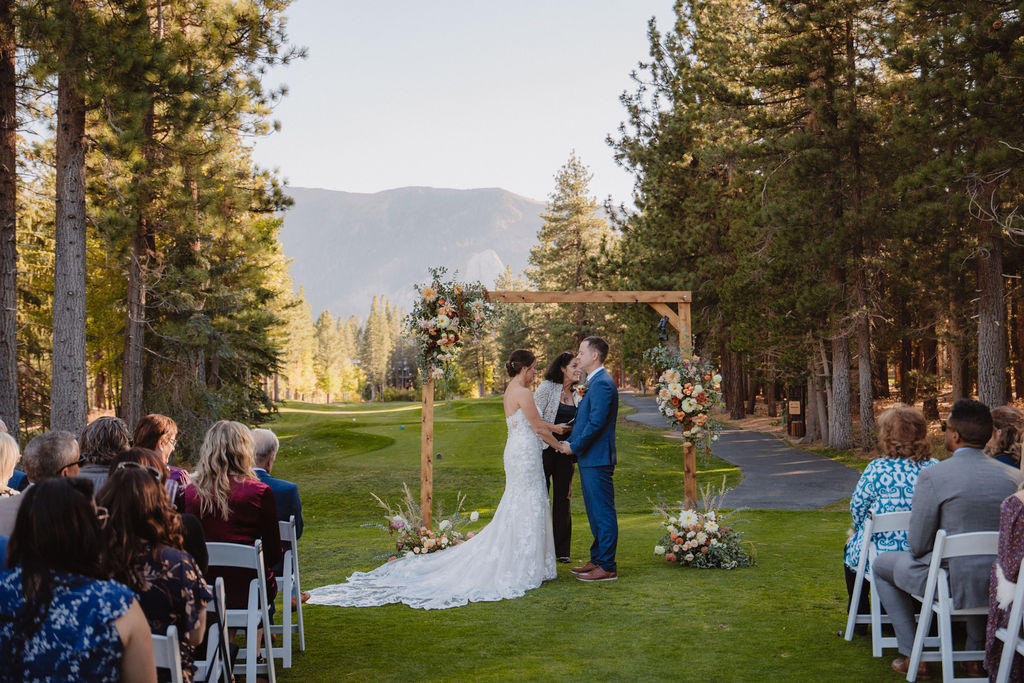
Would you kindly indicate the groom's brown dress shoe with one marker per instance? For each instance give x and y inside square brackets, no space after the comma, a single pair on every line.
[588,567]
[598,574]
[902,665]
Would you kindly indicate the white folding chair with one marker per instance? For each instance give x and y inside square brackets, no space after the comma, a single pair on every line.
[218,653]
[289,588]
[167,654]
[257,612]
[937,601]
[875,523]
[1011,635]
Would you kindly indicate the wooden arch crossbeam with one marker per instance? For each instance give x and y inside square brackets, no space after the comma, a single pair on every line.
[660,301]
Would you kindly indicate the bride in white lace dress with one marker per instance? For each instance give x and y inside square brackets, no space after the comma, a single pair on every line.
[511,555]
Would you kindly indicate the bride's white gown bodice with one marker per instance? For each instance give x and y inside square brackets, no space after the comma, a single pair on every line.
[511,555]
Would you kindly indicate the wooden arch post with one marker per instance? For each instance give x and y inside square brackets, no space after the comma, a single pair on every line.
[660,301]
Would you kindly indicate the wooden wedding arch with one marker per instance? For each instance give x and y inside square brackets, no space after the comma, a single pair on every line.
[662,302]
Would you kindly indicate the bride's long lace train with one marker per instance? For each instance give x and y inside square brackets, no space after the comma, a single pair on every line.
[511,555]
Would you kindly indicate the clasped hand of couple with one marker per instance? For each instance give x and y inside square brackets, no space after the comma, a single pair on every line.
[563,446]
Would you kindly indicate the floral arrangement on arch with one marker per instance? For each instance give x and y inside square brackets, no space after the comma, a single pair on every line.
[703,539]
[411,537]
[687,390]
[444,317]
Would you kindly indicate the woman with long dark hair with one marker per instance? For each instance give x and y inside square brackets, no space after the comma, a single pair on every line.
[61,617]
[144,544]
[556,402]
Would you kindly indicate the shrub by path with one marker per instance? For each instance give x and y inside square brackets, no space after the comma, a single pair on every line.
[775,475]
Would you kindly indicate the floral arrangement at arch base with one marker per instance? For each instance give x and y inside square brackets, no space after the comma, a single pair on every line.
[445,316]
[706,538]
[687,390]
[410,536]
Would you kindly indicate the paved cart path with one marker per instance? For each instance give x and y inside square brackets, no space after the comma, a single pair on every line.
[775,476]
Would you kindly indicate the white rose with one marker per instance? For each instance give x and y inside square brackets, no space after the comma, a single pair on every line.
[697,389]
[689,557]
[689,405]
[659,550]
[474,515]
[700,538]
[445,524]
[714,542]
[717,379]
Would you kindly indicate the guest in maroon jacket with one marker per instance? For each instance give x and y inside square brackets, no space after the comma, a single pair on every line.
[233,505]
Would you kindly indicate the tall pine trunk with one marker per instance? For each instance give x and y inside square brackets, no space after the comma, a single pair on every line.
[1017,335]
[8,222]
[735,380]
[867,404]
[840,426]
[991,319]
[957,356]
[930,349]
[69,398]
[142,247]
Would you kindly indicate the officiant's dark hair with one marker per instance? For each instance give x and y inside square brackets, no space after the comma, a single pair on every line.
[556,371]
[517,360]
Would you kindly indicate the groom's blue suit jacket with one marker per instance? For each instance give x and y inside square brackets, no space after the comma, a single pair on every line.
[593,433]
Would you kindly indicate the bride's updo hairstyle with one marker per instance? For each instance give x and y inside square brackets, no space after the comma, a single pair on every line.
[519,360]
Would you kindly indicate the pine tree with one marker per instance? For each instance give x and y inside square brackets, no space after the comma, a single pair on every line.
[8,222]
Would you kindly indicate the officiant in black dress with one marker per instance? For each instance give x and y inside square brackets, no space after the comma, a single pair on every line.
[556,400]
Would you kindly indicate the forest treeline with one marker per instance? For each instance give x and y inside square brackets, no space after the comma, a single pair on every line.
[837,182]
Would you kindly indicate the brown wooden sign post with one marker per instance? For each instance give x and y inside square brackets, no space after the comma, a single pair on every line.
[659,301]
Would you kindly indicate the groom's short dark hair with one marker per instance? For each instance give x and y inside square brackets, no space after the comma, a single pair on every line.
[599,345]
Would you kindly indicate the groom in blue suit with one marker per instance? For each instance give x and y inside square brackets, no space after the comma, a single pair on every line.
[593,443]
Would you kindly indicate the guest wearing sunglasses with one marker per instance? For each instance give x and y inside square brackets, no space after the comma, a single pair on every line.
[194,539]
[145,547]
[47,456]
[61,617]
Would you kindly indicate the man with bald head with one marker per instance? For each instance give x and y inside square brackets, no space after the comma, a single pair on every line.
[49,455]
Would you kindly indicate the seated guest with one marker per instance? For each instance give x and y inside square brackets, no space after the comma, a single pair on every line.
[8,459]
[159,433]
[234,506]
[887,485]
[286,494]
[17,481]
[961,494]
[49,455]
[1002,584]
[101,441]
[144,545]
[61,617]
[194,541]
[1007,434]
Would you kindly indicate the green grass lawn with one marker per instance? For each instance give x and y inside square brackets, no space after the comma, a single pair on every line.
[775,621]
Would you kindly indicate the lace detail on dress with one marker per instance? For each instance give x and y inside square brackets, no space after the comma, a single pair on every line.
[511,555]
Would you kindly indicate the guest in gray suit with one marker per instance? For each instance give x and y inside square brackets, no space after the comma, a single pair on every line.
[960,494]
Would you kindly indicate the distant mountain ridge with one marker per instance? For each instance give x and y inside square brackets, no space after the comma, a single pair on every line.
[347,247]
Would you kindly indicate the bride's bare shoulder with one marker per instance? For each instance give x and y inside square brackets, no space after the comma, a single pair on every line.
[514,396]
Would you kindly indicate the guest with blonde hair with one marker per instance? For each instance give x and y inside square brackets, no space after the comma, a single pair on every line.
[9,456]
[1007,434]
[233,505]
[887,485]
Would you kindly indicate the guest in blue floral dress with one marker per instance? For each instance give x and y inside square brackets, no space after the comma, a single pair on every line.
[61,618]
[887,485]
[145,549]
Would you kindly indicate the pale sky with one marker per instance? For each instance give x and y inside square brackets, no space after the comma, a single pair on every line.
[457,93]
